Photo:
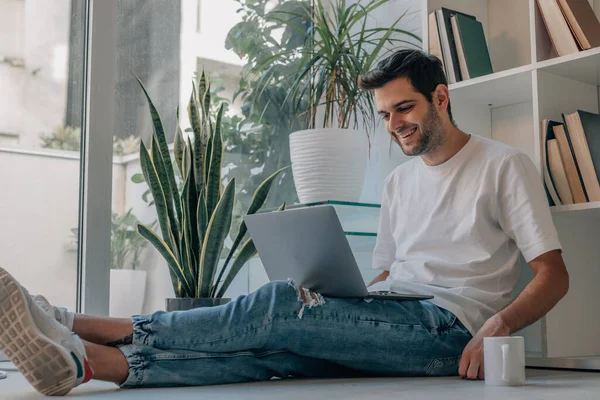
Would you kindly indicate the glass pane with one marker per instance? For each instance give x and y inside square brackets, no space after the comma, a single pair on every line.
[168,45]
[41,92]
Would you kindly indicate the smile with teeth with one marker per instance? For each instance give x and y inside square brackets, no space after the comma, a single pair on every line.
[407,133]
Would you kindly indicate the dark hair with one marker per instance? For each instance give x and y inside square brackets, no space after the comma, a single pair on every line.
[423,70]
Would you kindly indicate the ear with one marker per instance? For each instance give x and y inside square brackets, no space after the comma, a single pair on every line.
[441,97]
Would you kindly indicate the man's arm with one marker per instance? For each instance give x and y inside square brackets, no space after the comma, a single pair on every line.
[381,277]
[550,284]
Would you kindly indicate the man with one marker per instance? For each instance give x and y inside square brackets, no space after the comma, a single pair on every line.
[453,223]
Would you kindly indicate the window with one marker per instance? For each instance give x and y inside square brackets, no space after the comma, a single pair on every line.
[41,92]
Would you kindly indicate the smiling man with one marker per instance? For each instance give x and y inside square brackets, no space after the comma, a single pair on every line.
[455,220]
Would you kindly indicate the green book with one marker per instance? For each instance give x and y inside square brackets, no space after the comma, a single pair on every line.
[471,47]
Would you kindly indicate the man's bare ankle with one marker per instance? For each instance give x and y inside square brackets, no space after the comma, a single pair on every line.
[121,342]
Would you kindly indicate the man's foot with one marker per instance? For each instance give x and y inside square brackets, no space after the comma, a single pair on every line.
[50,357]
[60,314]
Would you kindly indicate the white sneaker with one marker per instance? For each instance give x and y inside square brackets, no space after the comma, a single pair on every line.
[50,357]
[58,313]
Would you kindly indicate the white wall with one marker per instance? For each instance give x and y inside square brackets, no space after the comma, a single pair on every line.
[385,157]
[39,206]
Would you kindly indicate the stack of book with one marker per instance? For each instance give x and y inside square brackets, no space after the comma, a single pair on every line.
[571,24]
[571,158]
[458,40]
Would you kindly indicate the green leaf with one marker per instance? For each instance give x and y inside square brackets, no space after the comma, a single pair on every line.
[207,156]
[258,200]
[161,139]
[158,194]
[204,96]
[202,220]
[216,232]
[186,255]
[247,252]
[138,178]
[160,168]
[213,185]
[198,162]
[177,275]
[179,147]
[190,203]
[186,162]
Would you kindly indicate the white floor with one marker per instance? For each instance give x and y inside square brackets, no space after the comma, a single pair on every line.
[541,384]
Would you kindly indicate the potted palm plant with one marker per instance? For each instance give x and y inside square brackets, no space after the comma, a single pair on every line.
[127,283]
[195,218]
[329,158]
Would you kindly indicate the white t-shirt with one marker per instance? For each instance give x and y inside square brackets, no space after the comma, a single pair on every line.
[456,230]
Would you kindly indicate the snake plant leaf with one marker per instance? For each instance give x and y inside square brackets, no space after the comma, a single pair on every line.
[204,96]
[207,150]
[186,161]
[196,122]
[174,266]
[258,200]
[161,139]
[213,185]
[151,177]
[159,165]
[179,146]
[190,203]
[216,232]
[247,252]
[186,255]
[201,226]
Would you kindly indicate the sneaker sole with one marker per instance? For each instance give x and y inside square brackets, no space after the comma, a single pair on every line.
[44,363]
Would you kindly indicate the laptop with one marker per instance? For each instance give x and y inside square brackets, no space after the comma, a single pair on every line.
[309,246]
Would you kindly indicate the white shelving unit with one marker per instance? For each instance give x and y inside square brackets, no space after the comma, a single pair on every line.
[531,83]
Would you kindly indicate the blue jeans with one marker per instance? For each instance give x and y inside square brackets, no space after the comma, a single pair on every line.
[282,331]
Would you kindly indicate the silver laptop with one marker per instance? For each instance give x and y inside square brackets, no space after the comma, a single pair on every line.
[309,246]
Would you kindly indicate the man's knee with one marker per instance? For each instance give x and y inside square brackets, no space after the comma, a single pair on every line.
[282,291]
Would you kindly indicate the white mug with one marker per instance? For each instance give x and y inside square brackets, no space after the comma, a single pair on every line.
[504,360]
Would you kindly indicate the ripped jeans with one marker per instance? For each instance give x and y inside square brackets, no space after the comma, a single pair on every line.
[282,331]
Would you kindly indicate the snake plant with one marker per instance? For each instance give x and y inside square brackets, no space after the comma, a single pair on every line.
[196,218]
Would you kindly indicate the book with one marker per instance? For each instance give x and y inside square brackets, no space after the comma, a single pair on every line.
[462,61]
[557,27]
[568,160]
[582,152]
[547,135]
[559,174]
[444,23]
[435,47]
[473,55]
[590,124]
[583,22]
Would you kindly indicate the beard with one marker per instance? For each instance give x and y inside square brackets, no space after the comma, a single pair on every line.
[431,135]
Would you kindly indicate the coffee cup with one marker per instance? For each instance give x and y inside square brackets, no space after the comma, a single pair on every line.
[504,360]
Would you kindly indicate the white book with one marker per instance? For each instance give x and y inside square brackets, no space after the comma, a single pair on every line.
[445,46]
[462,61]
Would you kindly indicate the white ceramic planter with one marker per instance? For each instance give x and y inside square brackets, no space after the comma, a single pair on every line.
[329,164]
[127,291]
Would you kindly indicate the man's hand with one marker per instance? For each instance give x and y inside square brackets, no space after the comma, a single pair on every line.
[381,277]
[471,363]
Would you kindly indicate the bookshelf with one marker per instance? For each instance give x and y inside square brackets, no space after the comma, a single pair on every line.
[530,83]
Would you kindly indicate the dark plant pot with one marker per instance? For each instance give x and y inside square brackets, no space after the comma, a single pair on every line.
[187,303]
